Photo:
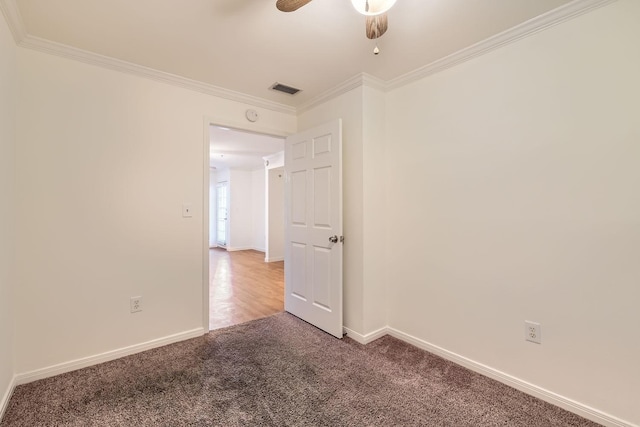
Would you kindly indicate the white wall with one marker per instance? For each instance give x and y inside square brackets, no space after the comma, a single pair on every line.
[513,181]
[8,79]
[240,216]
[258,210]
[275,214]
[246,209]
[105,161]
[377,216]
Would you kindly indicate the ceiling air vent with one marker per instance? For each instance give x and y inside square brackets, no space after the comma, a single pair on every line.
[284,88]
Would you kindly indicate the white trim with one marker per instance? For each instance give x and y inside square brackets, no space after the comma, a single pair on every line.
[73,365]
[65,51]
[361,79]
[274,259]
[14,20]
[240,248]
[344,87]
[373,82]
[246,126]
[4,403]
[367,338]
[276,160]
[526,29]
[206,182]
[524,386]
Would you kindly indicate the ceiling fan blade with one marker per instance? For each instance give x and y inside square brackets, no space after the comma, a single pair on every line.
[377,25]
[290,5]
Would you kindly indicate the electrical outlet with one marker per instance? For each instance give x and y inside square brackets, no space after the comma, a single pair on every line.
[136,304]
[532,332]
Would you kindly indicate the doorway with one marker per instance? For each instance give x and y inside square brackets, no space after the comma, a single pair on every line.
[242,285]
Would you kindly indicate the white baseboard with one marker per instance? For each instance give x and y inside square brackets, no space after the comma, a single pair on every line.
[244,248]
[367,338]
[73,365]
[524,386]
[238,248]
[274,259]
[6,396]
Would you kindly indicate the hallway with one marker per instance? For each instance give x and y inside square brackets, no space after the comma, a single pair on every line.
[243,287]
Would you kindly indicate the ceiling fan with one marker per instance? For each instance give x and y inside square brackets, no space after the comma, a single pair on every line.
[375,12]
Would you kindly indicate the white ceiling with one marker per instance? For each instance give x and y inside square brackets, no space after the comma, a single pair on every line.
[247,45]
[234,149]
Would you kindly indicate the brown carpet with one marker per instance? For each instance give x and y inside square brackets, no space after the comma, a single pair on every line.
[278,371]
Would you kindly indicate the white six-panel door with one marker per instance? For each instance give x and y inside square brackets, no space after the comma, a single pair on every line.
[313,226]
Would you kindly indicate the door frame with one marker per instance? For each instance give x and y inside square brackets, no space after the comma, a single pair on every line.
[207,122]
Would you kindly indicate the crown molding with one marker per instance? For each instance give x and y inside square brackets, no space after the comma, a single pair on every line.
[14,19]
[373,82]
[344,87]
[65,51]
[512,35]
[521,31]
[552,18]
[15,23]
[361,79]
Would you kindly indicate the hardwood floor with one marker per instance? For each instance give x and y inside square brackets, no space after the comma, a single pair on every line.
[243,287]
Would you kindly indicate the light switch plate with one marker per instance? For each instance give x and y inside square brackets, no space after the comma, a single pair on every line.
[187,210]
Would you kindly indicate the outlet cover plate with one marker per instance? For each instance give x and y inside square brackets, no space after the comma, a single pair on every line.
[136,304]
[532,332]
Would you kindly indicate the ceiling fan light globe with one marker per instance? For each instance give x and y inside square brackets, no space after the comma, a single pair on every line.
[376,7]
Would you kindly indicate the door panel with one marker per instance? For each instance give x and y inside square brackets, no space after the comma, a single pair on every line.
[313,226]
[298,269]
[298,198]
